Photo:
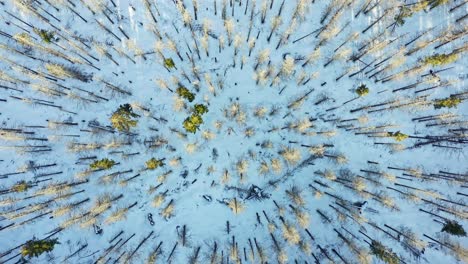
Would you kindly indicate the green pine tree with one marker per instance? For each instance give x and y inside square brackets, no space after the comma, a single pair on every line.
[35,248]
[200,109]
[383,253]
[103,164]
[185,93]
[398,136]
[124,118]
[454,228]
[362,90]
[153,164]
[196,119]
[46,36]
[21,186]
[189,126]
[448,102]
[404,13]
[440,59]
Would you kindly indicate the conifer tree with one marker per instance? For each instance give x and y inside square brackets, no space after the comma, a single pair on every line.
[192,123]
[398,136]
[448,102]
[153,164]
[454,228]
[404,13]
[35,248]
[103,164]
[440,59]
[436,3]
[123,118]
[362,90]
[383,253]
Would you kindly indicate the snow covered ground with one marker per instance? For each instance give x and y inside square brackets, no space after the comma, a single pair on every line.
[285,120]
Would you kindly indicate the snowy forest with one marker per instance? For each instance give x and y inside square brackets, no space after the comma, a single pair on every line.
[233,131]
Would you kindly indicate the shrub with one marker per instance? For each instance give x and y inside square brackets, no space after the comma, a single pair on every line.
[398,136]
[153,164]
[169,63]
[103,164]
[383,253]
[122,119]
[362,90]
[448,102]
[185,93]
[21,186]
[454,228]
[46,36]
[440,59]
[34,248]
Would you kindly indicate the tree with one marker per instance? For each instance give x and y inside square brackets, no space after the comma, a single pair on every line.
[21,186]
[454,228]
[229,26]
[200,109]
[189,126]
[192,123]
[275,23]
[448,102]
[169,63]
[35,248]
[122,119]
[398,136]
[46,36]
[291,155]
[419,6]
[383,253]
[153,164]
[103,164]
[185,93]
[440,59]
[362,90]
[404,13]
[436,3]
[64,71]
